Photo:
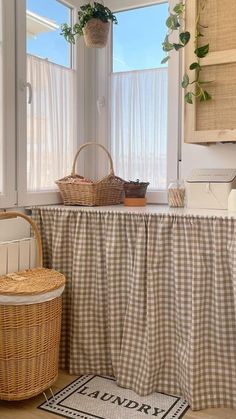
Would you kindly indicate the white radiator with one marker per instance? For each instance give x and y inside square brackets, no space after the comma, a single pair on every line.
[17,255]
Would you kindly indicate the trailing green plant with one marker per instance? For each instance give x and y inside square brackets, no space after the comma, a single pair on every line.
[87,12]
[173,23]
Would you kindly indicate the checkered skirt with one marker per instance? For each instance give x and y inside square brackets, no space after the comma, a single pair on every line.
[150,299]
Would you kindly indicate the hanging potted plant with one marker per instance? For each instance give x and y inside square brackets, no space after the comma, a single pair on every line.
[93,23]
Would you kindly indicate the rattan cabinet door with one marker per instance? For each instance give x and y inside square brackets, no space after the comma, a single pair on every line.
[215,120]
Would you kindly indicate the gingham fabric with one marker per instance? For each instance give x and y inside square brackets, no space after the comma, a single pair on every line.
[150,299]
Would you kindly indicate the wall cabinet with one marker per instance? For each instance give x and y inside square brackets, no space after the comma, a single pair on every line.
[215,120]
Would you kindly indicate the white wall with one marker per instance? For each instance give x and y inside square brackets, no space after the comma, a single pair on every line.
[214,156]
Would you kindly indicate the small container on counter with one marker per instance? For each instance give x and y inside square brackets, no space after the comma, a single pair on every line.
[176,194]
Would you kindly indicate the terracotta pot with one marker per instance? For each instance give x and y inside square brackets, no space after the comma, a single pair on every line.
[135,190]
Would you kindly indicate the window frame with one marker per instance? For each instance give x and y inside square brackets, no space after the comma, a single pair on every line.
[103,92]
[25,197]
[8,197]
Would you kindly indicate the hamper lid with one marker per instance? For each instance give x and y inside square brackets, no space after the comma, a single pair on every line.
[31,282]
[212,175]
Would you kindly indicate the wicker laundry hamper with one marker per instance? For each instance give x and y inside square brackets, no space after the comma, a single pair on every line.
[30,325]
[76,191]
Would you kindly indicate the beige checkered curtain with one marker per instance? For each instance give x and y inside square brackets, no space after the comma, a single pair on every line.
[150,299]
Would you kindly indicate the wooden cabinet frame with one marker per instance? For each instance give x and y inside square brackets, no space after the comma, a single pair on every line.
[191,134]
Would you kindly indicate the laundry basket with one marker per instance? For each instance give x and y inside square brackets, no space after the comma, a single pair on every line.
[30,324]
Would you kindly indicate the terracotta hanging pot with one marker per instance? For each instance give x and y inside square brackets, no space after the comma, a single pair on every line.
[96,33]
[94,21]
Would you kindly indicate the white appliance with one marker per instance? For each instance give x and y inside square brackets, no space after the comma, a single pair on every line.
[210,188]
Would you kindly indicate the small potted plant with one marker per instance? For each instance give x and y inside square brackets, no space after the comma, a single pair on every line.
[135,193]
[93,23]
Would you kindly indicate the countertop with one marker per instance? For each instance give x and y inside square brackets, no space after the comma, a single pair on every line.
[149,209]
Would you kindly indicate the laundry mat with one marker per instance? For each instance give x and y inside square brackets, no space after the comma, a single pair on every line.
[97,397]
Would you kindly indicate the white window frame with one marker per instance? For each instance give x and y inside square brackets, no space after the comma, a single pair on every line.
[8,197]
[25,197]
[104,62]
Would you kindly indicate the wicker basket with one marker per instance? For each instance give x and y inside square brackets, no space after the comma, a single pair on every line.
[30,324]
[96,33]
[108,191]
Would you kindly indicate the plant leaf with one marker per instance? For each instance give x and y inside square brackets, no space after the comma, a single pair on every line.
[177,46]
[184,37]
[166,45]
[169,22]
[189,98]
[172,22]
[179,8]
[185,81]
[201,52]
[165,59]
[195,66]
[205,96]
[176,22]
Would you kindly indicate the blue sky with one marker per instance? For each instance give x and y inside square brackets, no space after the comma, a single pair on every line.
[50,45]
[136,39]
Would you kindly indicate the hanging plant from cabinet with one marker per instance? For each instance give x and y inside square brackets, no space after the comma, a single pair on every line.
[197,87]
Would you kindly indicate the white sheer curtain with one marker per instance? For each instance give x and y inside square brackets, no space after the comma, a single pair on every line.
[51,123]
[139,125]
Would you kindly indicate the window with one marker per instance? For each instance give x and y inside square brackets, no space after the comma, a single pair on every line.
[41,100]
[49,77]
[143,98]
[139,89]
[51,109]
[130,106]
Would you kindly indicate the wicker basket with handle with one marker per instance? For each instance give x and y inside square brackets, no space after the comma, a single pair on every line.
[107,191]
[30,325]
